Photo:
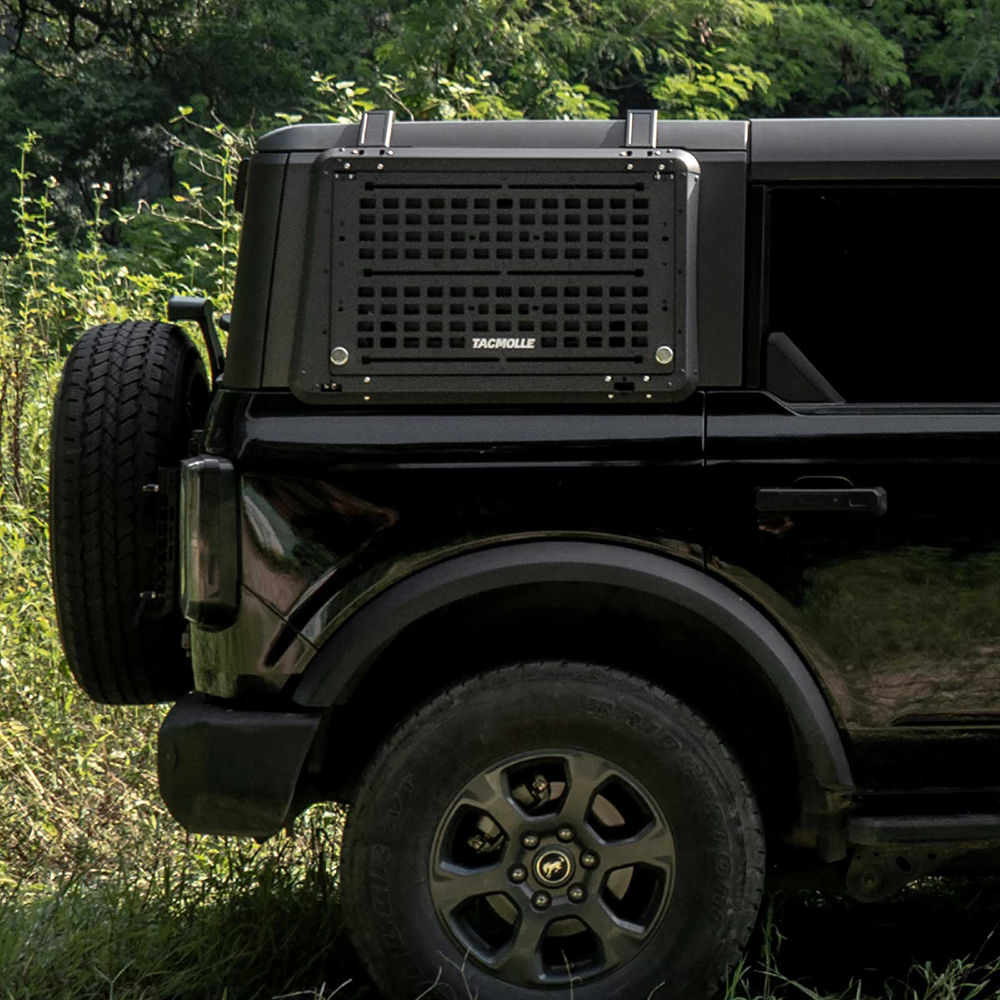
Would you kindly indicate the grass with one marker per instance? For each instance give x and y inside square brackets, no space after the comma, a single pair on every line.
[103,896]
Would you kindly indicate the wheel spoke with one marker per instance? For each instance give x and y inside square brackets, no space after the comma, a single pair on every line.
[451,885]
[586,773]
[521,960]
[487,792]
[655,846]
[619,940]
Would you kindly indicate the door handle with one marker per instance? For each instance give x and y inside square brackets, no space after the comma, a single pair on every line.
[861,502]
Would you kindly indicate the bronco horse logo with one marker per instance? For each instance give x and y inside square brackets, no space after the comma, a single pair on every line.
[553,869]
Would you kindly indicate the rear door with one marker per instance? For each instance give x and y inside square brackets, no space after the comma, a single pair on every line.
[854,486]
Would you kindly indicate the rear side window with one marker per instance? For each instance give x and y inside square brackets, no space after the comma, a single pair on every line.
[892,292]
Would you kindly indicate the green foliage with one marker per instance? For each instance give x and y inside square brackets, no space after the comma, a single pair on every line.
[194,231]
[821,59]
[98,79]
[567,58]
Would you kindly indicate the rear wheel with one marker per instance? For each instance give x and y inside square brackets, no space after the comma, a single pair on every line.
[553,829]
[131,394]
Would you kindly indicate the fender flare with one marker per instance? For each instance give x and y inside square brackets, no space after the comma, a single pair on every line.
[345,658]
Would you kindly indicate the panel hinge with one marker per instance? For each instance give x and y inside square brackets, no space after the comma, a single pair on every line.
[640,129]
[376,129]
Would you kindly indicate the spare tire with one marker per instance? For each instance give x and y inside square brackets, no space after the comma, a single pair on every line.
[130,397]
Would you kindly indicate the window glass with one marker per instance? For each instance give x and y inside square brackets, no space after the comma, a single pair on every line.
[892,292]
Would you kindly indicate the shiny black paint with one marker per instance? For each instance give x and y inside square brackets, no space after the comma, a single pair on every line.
[337,506]
[896,616]
[899,615]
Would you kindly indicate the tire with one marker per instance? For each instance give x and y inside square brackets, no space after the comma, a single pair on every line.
[655,886]
[131,394]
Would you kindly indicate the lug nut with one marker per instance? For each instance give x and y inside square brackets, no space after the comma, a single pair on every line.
[518,874]
[541,900]
[530,841]
[589,859]
[577,893]
[565,834]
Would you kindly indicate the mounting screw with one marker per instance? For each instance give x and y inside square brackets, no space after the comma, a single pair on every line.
[347,166]
[518,874]
[541,900]
[607,378]
[664,355]
[630,166]
[566,833]
[577,894]
[367,379]
[645,378]
[151,488]
[530,841]
[367,399]
[611,395]
[649,395]
[589,860]
[380,166]
[339,356]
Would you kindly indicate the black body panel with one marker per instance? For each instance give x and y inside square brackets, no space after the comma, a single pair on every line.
[248,332]
[898,615]
[232,772]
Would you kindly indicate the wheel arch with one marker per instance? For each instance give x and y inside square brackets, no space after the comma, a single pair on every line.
[610,602]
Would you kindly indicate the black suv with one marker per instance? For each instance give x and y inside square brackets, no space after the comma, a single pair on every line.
[589,504]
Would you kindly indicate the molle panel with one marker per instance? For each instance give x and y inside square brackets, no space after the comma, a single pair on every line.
[248,333]
[461,279]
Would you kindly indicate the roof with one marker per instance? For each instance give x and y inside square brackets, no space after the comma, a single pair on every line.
[558,134]
[779,149]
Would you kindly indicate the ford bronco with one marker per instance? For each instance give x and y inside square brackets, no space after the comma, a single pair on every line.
[598,507]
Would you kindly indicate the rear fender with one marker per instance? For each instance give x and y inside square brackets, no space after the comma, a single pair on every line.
[347,656]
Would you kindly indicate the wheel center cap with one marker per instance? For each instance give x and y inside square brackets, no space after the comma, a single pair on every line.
[553,867]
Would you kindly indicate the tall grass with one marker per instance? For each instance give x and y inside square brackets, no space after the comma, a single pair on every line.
[101,894]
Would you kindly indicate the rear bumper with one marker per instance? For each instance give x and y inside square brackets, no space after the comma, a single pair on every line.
[230,771]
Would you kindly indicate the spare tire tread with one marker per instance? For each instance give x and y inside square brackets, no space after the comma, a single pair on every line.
[117,420]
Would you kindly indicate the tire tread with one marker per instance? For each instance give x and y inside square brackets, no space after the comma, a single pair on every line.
[114,423]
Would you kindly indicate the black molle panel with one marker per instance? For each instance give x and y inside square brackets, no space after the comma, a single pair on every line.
[504,272]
